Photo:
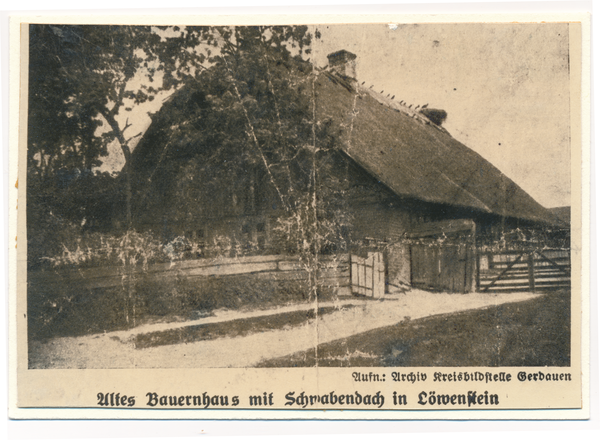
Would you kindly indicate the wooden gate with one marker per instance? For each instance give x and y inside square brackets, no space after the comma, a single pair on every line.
[441,268]
[367,275]
[524,271]
[448,266]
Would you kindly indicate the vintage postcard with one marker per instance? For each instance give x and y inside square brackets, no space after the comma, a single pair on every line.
[316,217]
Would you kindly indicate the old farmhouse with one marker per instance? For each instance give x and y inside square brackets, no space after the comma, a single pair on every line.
[412,205]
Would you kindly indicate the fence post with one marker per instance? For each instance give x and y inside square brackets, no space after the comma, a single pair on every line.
[350,270]
[477,271]
[530,266]
[477,262]
[490,258]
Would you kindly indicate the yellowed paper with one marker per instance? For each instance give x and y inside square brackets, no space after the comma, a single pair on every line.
[381,218]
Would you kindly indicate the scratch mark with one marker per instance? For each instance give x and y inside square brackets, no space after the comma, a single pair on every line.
[353,117]
[252,135]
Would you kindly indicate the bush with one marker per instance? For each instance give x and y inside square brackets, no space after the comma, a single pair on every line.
[128,250]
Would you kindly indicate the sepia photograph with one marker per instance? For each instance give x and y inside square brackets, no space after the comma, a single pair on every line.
[279,197]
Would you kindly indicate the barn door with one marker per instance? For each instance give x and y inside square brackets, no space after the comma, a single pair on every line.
[425,266]
[453,269]
[368,275]
[441,268]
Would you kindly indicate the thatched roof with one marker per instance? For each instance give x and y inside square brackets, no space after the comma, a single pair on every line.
[416,158]
[563,214]
[402,148]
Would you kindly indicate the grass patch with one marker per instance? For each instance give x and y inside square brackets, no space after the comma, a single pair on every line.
[530,333]
[233,328]
[67,309]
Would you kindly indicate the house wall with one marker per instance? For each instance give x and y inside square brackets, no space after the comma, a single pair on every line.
[380,222]
[240,216]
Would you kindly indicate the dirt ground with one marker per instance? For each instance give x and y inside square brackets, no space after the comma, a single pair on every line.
[355,316]
[531,333]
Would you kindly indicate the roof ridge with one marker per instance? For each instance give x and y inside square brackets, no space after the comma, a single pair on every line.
[395,105]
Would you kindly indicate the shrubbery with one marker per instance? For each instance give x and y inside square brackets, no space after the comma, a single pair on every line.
[70,247]
[68,308]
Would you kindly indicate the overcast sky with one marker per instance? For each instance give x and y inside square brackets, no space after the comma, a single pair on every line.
[505,88]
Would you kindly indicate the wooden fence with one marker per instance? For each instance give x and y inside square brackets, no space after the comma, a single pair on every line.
[507,271]
[333,271]
[524,271]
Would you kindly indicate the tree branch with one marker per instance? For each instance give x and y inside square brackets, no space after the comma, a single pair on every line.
[127,125]
[133,137]
[114,125]
[119,101]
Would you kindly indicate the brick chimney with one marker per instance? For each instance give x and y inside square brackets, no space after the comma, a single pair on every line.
[343,63]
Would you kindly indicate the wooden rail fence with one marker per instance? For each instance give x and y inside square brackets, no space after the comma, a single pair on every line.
[333,272]
[524,271]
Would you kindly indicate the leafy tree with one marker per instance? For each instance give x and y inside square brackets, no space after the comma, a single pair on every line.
[248,100]
[249,120]
[82,78]
[275,91]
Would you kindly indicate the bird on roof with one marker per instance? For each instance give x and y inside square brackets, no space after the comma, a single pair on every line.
[417,107]
[363,83]
[388,95]
[393,96]
[371,87]
[425,106]
[410,106]
[381,91]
